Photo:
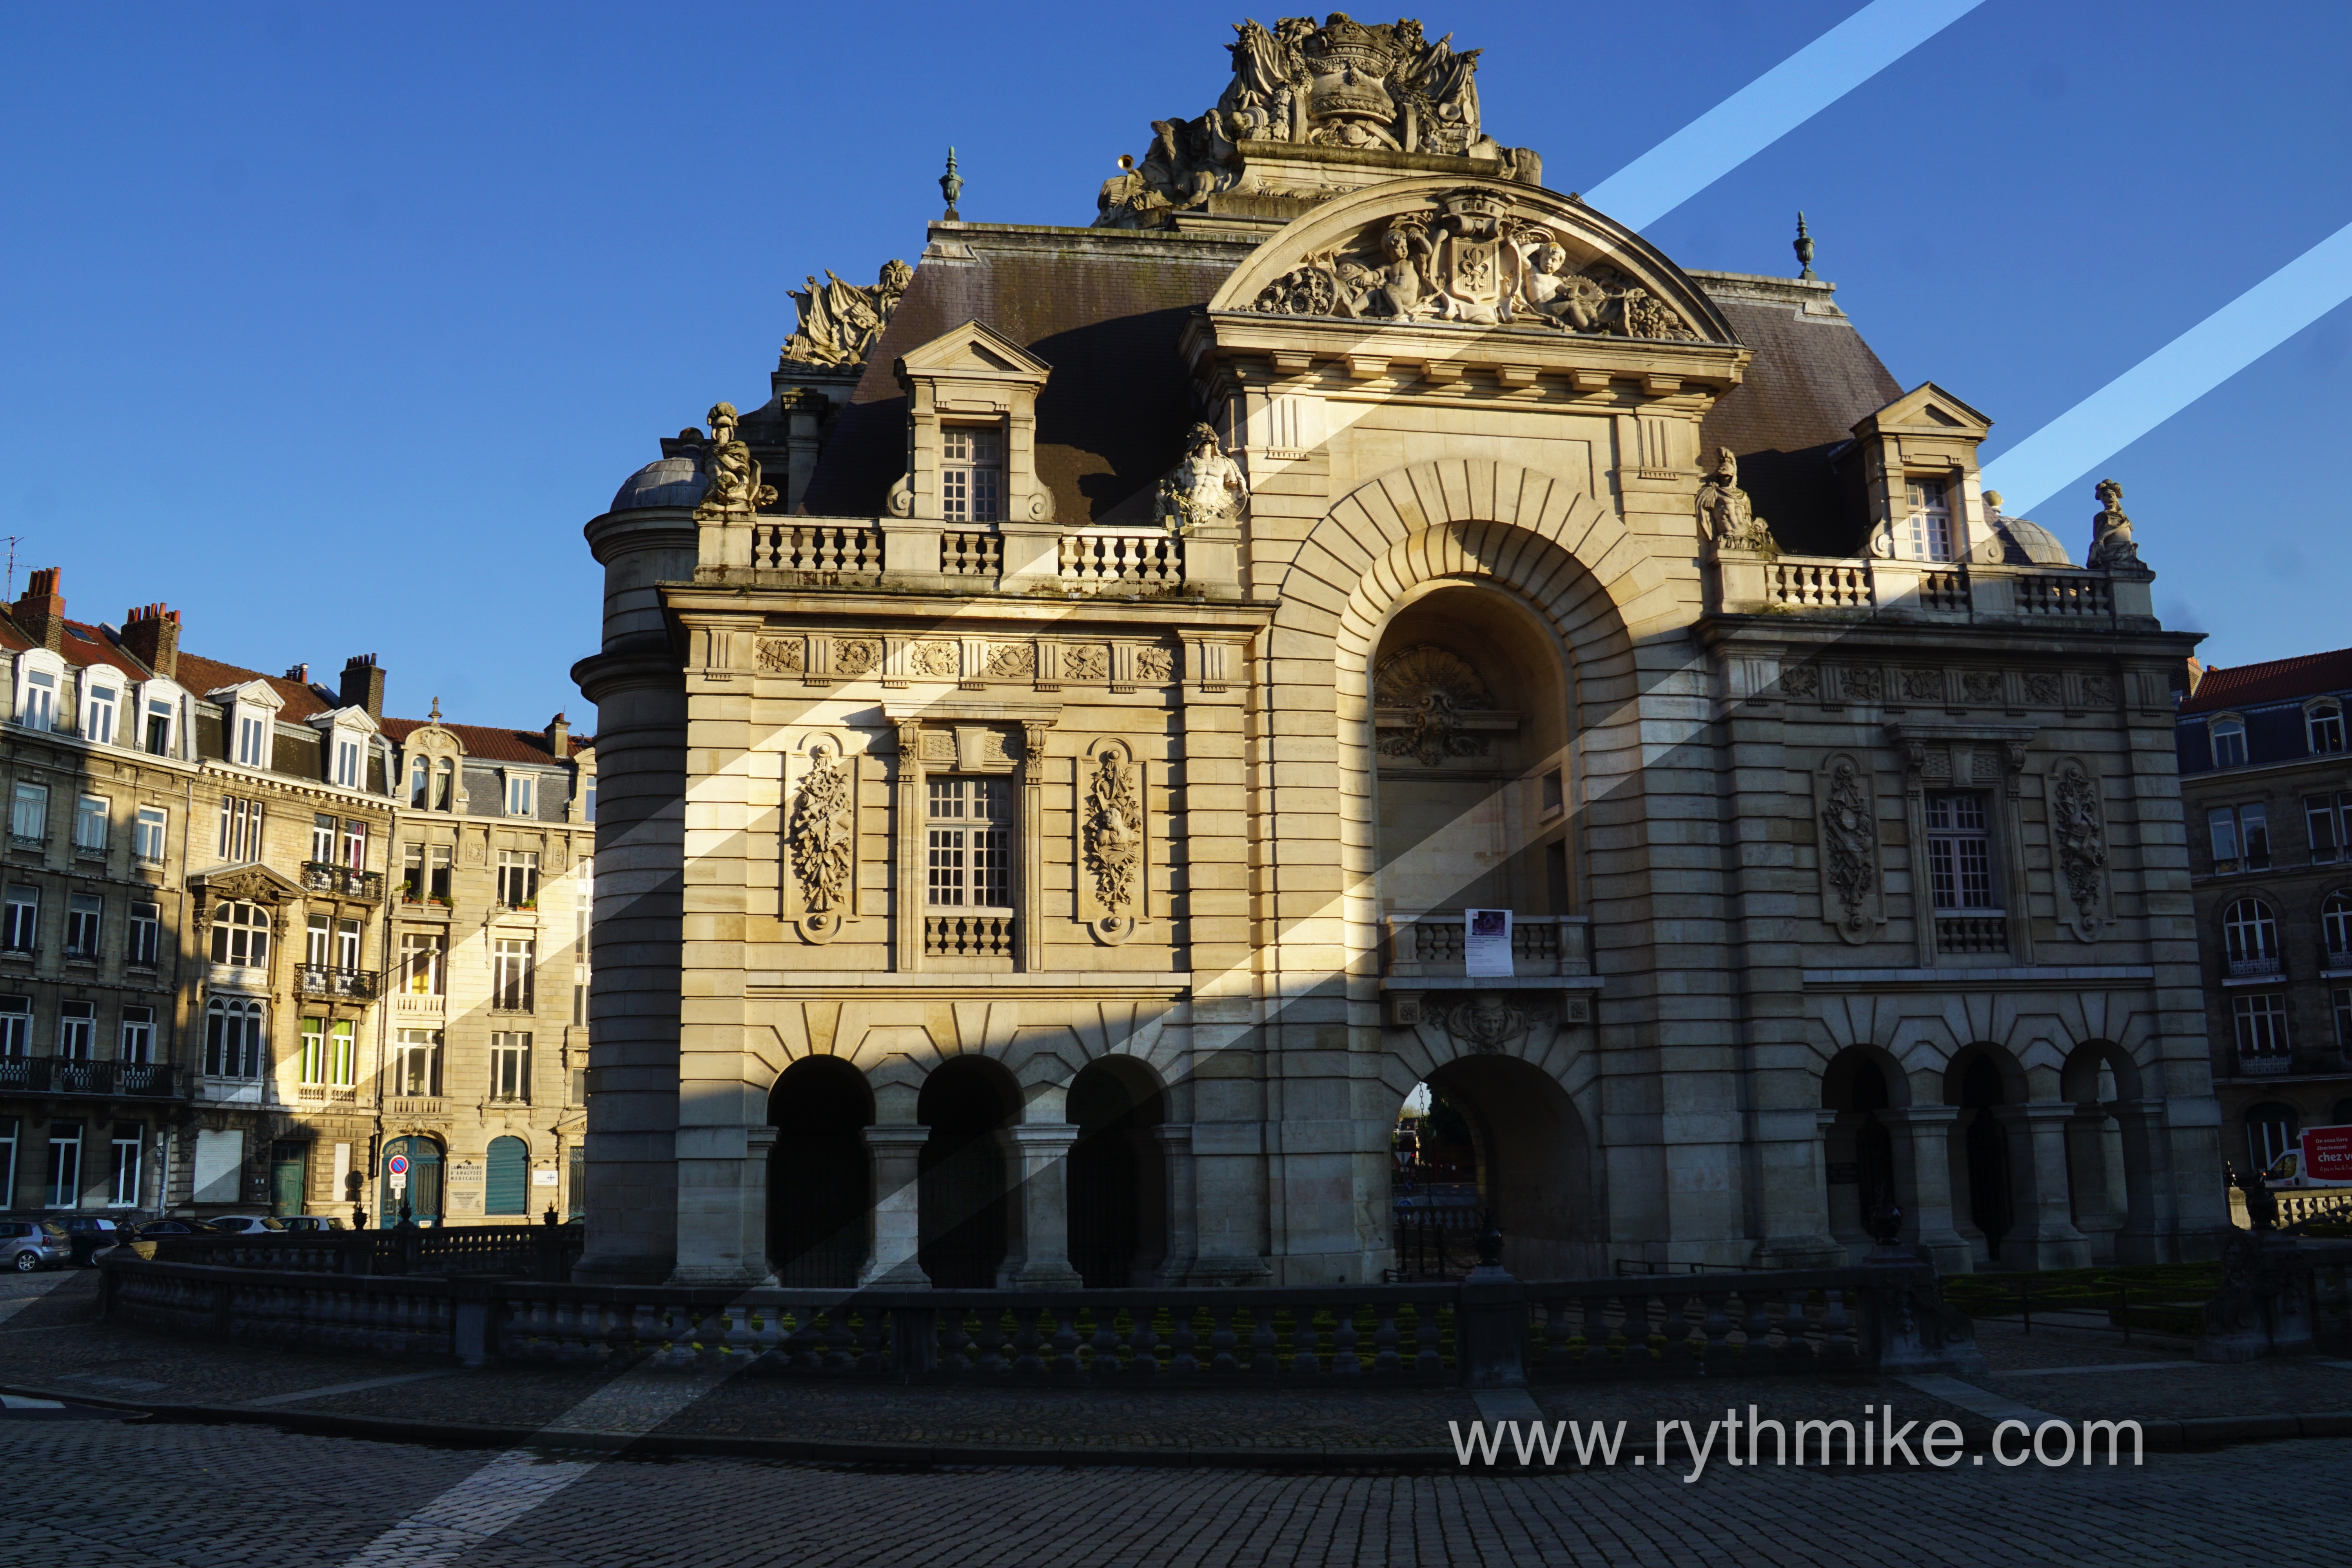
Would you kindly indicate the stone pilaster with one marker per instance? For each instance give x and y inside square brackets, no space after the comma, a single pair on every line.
[892,1261]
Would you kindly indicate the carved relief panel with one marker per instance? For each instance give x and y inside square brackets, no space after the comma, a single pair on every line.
[1111,848]
[821,834]
[2078,847]
[1845,816]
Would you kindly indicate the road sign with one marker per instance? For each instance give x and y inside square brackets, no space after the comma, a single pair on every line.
[397,1165]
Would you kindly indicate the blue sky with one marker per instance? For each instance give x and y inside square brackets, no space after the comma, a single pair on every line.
[331,326]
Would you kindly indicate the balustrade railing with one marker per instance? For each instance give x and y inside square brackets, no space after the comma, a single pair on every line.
[1945,592]
[970,553]
[2077,594]
[1799,582]
[301,1291]
[2264,968]
[1971,934]
[825,549]
[325,876]
[1432,944]
[968,936]
[1154,560]
[2274,1064]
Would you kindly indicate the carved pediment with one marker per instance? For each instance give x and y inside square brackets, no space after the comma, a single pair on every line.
[252,884]
[1484,253]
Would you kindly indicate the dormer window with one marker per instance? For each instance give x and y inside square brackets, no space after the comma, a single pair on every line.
[1930,523]
[420,782]
[38,711]
[2229,742]
[101,706]
[971,474]
[522,794]
[444,775]
[2323,723]
[252,738]
[351,766]
[158,736]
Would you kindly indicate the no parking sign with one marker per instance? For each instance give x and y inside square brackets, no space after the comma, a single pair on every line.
[398,1166]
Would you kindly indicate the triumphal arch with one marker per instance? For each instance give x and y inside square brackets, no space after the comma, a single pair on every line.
[1050,747]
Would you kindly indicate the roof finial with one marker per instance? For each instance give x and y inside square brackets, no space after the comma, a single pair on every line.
[1804,248]
[951,187]
[435,718]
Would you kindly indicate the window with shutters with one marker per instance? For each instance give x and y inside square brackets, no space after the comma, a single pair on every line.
[506,1177]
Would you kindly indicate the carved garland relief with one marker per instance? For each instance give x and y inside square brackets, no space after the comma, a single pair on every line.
[821,836]
[1469,258]
[1848,848]
[1113,840]
[2078,840]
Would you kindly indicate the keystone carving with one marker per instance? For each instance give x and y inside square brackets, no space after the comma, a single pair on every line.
[1486,1023]
[1436,687]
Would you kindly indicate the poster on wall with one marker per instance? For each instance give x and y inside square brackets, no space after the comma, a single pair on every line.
[1487,944]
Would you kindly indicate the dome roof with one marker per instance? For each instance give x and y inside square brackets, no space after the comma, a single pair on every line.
[2025,543]
[664,481]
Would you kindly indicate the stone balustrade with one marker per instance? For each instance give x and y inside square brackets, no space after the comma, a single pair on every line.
[1430,945]
[1488,1331]
[970,558]
[1958,592]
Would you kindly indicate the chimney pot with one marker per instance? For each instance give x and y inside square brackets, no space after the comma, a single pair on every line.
[151,634]
[362,685]
[41,611]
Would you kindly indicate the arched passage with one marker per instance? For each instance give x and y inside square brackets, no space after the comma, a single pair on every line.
[1118,1184]
[1861,1086]
[2109,1178]
[1534,1164]
[1980,1081]
[966,1216]
[820,1176]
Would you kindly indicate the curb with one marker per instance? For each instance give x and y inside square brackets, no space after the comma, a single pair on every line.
[2194,1434]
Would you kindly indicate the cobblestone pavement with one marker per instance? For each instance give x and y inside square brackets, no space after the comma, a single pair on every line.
[146,1496]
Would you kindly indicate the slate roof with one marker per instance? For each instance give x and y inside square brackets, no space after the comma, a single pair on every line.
[1105,310]
[2279,681]
[484,744]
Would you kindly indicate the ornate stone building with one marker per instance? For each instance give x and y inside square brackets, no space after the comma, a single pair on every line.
[1051,750]
[210,990]
[2268,783]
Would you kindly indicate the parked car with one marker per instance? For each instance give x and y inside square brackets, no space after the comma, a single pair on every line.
[90,1234]
[154,1228]
[29,1244]
[310,1222]
[245,1224]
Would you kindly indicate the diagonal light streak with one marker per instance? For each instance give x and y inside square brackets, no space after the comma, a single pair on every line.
[1771,106]
[2175,376]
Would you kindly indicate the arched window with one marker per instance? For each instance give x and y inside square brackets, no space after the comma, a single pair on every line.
[234,1037]
[2251,931]
[420,782]
[2323,726]
[2335,924]
[506,1182]
[2270,1132]
[2230,743]
[241,935]
[445,787]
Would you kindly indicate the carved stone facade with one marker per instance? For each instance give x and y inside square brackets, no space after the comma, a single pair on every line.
[1066,802]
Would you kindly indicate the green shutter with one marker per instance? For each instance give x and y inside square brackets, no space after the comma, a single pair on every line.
[507,1185]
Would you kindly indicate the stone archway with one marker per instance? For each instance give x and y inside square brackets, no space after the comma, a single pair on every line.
[820,1174]
[1534,1164]
[969,1223]
[1116,1185]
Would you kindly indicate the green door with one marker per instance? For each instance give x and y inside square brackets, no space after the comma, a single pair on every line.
[289,1167]
[506,1180]
[421,1158]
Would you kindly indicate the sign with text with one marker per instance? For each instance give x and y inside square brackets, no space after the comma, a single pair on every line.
[543,1177]
[2328,1156]
[1487,944]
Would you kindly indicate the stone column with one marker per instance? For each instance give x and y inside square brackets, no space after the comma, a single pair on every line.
[2043,1218]
[1923,1177]
[892,1261]
[2141,1239]
[1043,1148]
[1175,1146]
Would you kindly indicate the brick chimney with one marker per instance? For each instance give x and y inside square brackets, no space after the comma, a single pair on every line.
[558,738]
[40,610]
[362,685]
[151,634]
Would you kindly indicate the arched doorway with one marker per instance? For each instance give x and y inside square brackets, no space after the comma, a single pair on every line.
[2107,1161]
[1117,1185]
[1974,1082]
[506,1177]
[820,1174]
[412,1176]
[964,1197]
[1470,715]
[1861,1176]
[1531,1168]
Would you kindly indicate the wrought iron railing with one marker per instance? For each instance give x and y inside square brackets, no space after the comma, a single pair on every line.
[68,1075]
[329,980]
[325,877]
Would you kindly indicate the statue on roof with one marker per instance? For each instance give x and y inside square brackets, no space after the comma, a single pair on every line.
[734,474]
[841,322]
[2111,533]
[1378,87]
[1726,514]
